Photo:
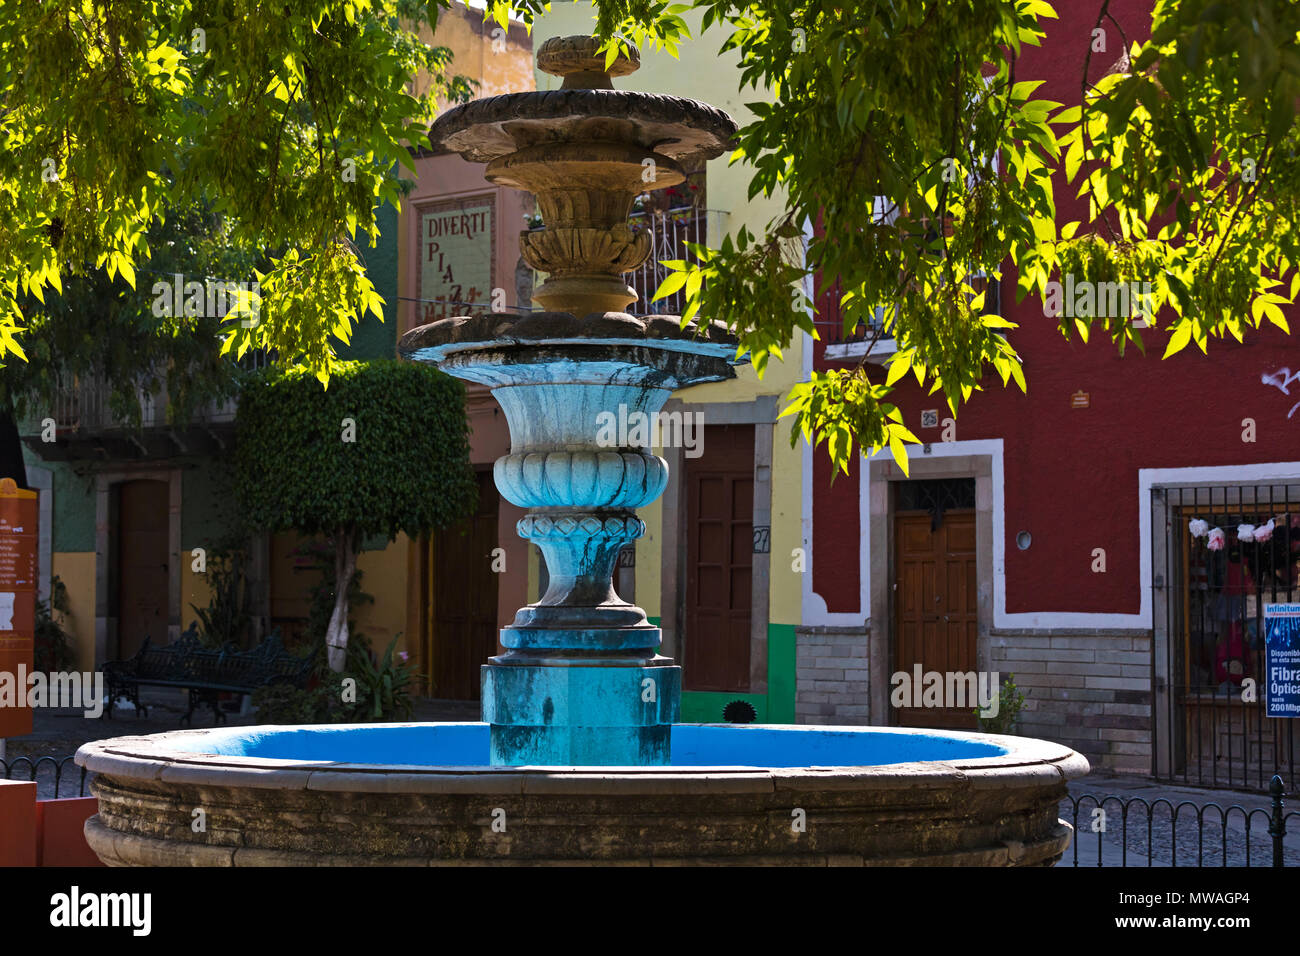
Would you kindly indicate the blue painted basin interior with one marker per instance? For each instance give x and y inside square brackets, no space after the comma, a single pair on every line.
[693,745]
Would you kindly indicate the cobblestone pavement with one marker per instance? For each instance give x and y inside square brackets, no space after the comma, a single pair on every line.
[58,732]
[1246,815]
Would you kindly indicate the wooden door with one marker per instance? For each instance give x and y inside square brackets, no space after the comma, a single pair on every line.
[719,560]
[142,562]
[464,589]
[935,612]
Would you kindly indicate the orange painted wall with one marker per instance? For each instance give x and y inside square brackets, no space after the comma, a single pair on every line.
[17,823]
[61,836]
[501,69]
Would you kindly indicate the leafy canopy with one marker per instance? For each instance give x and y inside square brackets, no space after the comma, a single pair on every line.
[101,328]
[901,126]
[907,132]
[289,123]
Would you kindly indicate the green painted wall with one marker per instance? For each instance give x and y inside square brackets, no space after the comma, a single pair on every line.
[372,338]
[74,505]
[774,707]
[207,503]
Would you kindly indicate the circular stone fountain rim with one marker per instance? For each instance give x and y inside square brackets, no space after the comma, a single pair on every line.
[436,340]
[679,127]
[1027,762]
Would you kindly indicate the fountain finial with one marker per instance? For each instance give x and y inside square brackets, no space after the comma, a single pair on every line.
[579,61]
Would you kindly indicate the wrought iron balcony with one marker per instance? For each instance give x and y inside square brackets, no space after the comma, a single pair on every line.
[871,340]
[78,421]
[669,230]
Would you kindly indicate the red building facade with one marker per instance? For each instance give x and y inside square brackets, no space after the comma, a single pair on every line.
[1059,544]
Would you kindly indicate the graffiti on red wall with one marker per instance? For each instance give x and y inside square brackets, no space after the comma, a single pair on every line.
[1281,379]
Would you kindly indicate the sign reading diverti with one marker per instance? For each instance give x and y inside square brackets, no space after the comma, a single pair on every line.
[457,258]
[1282,660]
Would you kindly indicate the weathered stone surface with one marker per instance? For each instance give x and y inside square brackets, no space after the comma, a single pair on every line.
[680,128]
[992,811]
[507,328]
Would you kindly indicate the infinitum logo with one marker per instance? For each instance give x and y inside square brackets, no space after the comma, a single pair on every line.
[74,909]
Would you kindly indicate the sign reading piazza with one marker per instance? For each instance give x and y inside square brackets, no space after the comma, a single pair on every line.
[457,260]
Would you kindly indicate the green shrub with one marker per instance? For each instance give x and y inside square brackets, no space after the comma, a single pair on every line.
[384,449]
[227,617]
[366,691]
[1010,703]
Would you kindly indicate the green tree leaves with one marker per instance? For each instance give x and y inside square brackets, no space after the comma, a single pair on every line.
[1190,159]
[289,125]
[885,125]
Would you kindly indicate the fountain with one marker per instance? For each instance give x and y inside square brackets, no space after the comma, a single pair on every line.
[579,756]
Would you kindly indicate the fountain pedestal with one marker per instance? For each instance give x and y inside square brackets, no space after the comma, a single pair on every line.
[581,682]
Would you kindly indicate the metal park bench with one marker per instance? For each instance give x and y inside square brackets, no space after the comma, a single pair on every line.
[203,671]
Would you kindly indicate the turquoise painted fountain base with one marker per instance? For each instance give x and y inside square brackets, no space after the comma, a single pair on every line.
[570,712]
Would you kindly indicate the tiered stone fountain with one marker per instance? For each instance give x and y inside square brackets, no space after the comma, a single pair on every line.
[581,682]
[579,757]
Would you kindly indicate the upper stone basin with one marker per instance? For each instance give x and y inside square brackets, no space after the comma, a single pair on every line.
[676,127]
[586,109]
[585,152]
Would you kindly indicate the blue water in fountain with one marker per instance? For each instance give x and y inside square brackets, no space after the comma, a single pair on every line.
[693,745]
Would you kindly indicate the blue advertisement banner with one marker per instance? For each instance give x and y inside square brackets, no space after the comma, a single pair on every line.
[1282,660]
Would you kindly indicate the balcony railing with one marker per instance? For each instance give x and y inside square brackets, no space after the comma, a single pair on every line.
[82,407]
[669,233]
[871,334]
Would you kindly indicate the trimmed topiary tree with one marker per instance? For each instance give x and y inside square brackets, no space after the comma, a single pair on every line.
[383,449]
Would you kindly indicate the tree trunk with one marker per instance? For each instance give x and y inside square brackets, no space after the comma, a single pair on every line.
[12,464]
[345,566]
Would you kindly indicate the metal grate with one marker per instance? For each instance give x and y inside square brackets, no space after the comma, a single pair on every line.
[936,496]
[1210,597]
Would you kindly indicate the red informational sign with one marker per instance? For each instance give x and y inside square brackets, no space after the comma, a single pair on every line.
[18,562]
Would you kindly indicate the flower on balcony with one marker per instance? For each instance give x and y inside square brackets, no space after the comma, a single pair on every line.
[1245,532]
[1265,531]
[1216,539]
[1198,528]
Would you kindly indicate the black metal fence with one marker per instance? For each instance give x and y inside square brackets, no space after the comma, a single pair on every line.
[1162,833]
[54,776]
